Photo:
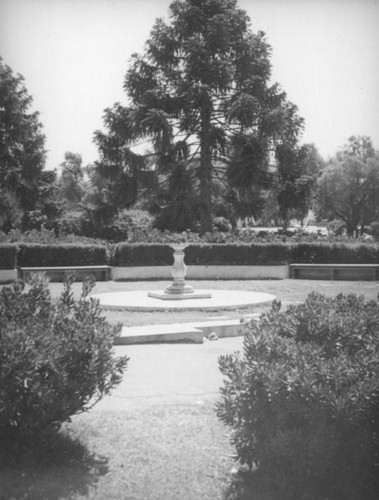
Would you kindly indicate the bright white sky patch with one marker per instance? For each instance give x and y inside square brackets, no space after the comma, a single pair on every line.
[74,55]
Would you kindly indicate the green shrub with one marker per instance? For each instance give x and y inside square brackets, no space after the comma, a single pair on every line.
[374,228]
[218,254]
[131,223]
[336,253]
[35,255]
[303,400]
[242,254]
[56,358]
[8,254]
[146,254]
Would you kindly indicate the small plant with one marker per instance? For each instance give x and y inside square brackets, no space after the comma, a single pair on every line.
[56,358]
[303,399]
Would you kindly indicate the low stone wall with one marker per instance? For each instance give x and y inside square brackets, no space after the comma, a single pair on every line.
[8,275]
[201,273]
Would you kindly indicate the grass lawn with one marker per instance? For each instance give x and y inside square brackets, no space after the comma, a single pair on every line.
[288,291]
[156,444]
[165,451]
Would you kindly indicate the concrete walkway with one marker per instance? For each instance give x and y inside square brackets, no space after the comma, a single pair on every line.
[169,373]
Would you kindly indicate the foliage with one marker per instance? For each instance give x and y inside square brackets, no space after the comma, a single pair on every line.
[221,224]
[145,254]
[201,95]
[56,359]
[132,221]
[202,254]
[374,227]
[303,399]
[336,253]
[127,224]
[8,254]
[337,227]
[49,236]
[27,191]
[39,255]
[71,184]
[349,187]
[295,179]
[146,246]
[242,254]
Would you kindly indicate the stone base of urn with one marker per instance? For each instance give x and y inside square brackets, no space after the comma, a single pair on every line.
[179,290]
[179,296]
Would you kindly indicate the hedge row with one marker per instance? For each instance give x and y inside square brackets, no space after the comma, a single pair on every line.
[256,254]
[248,254]
[148,254]
[203,254]
[335,253]
[8,256]
[145,254]
[39,255]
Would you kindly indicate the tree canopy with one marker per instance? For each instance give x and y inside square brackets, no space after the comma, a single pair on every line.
[200,94]
[26,190]
[298,169]
[349,186]
[70,184]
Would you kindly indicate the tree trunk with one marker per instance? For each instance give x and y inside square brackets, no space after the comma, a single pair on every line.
[205,172]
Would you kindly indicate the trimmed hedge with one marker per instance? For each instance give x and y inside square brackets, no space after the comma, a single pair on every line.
[8,256]
[35,255]
[203,254]
[145,254]
[206,254]
[242,254]
[335,253]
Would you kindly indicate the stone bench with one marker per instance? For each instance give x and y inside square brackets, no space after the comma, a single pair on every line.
[99,273]
[349,272]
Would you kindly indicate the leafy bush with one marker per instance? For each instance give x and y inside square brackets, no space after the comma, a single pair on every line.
[337,227]
[221,224]
[35,255]
[303,400]
[228,254]
[146,254]
[8,254]
[33,236]
[132,224]
[241,254]
[336,253]
[46,236]
[56,359]
[374,227]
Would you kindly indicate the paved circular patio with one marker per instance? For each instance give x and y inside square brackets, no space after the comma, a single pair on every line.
[220,299]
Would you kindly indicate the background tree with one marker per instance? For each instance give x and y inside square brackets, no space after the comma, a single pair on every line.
[27,192]
[348,189]
[297,171]
[71,180]
[201,94]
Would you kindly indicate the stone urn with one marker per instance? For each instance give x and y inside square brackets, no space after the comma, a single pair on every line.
[179,290]
[179,271]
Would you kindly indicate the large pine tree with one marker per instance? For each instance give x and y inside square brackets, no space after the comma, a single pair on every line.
[201,93]
[26,189]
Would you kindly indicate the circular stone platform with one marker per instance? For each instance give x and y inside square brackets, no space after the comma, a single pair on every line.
[220,299]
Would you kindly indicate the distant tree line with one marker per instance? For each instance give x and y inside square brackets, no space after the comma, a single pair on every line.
[204,142]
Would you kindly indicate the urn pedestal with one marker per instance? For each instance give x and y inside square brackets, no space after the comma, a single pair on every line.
[179,290]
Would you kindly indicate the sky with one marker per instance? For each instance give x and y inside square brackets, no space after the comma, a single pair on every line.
[74,55]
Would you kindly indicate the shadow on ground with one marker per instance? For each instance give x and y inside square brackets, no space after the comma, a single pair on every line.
[55,467]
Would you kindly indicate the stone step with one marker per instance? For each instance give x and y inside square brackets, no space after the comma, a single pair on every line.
[181,332]
[159,333]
